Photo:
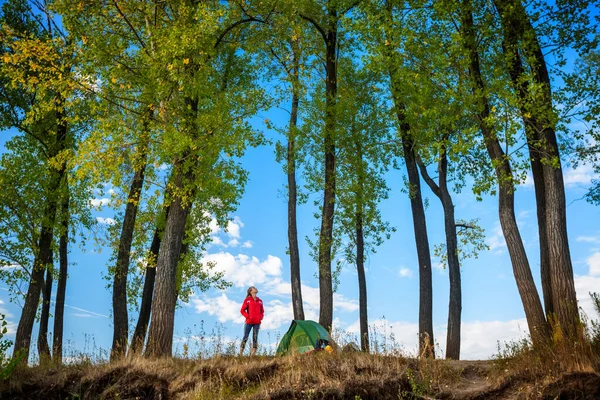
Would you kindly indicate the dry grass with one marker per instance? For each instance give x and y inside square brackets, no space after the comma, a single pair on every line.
[311,376]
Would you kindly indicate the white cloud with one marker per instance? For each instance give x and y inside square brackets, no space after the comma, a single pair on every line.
[234,226]
[221,306]
[99,202]
[105,221]
[405,272]
[583,286]
[582,176]
[233,232]
[479,339]
[243,270]
[594,263]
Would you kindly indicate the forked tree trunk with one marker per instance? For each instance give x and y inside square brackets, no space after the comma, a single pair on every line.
[160,334]
[537,111]
[44,255]
[534,313]
[455,302]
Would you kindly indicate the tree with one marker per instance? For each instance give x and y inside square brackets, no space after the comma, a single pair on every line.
[536,320]
[38,65]
[521,45]
[364,156]
[325,18]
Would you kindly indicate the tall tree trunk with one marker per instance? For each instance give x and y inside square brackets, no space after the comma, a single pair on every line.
[292,202]
[455,302]
[160,335]
[537,111]
[139,335]
[44,254]
[121,321]
[59,308]
[360,249]
[426,339]
[42,341]
[326,233]
[534,313]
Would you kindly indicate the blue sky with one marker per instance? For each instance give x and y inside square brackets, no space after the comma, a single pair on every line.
[252,252]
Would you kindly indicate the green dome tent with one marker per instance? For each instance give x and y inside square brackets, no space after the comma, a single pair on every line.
[302,337]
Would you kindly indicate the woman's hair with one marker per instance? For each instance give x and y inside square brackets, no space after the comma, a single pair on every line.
[249,292]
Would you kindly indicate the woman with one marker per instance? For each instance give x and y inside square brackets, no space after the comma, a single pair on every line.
[252,309]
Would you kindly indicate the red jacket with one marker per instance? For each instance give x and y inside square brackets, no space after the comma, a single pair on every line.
[253,310]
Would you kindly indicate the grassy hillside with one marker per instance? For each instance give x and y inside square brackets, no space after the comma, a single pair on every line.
[311,376]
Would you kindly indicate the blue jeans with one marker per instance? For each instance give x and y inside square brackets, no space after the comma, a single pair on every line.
[254,328]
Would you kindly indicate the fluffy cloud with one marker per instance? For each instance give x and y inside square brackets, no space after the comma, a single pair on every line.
[221,306]
[243,270]
[583,286]
[479,339]
[582,176]
[594,263]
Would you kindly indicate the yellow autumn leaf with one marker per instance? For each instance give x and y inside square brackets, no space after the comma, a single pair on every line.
[186,61]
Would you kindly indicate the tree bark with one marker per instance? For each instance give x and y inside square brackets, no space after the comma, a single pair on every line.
[59,308]
[534,313]
[537,112]
[326,233]
[362,284]
[160,335]
[517,74]
[121,321]
[455,302]
[426,339]
[44,254]
[139,335]
[292,202]
[42,341]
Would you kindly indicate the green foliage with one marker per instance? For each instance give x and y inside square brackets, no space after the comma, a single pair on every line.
[7,364]
[471,241]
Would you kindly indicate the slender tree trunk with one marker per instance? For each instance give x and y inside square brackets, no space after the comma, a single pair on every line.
[538,111]
[44,255]
[42,342]
[121,321]
[326,234]
[455,302]
[292,202]
[360,248]
[139,335]
[362,284]
[59,308]
[426,339]
[534,313]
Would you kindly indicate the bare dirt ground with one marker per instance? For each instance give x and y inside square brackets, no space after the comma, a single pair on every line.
[316,376]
